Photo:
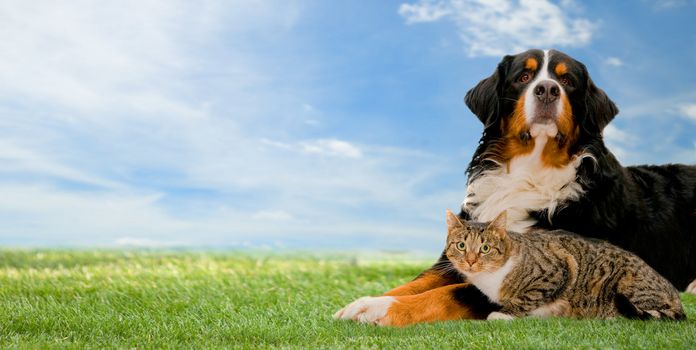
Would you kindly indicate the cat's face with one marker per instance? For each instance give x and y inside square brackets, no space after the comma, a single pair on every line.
[476,247]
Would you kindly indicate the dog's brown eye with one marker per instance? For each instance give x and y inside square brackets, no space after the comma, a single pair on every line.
[565,81]
[524,77]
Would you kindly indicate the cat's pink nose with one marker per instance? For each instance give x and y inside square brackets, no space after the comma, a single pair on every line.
[470,260]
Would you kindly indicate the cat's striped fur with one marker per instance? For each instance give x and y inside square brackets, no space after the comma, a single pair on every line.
[557,273]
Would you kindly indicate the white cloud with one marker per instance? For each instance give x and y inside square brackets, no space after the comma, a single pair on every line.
[638,142]
[620,142]
[495,28]
[614,134]
[668,4]
[127,105]
[688,110]
[16,159]
[90,53]
[332,147]
[276,144]
[652,106]
[326,147]
[273,215]
[73,217]
[425,11]
[614,61]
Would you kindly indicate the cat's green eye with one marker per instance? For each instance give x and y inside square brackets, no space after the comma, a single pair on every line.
[461,246]
[485,248]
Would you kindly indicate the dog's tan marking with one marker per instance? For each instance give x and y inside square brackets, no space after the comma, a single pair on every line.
[531,64]
[426,282]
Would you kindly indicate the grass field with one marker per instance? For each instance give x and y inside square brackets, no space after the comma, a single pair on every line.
[78,299]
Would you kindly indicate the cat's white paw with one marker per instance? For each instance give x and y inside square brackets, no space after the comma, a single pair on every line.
[691,288]
[367,310]
[499,316]
[654,313]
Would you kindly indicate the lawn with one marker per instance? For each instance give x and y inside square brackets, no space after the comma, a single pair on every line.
[106,299]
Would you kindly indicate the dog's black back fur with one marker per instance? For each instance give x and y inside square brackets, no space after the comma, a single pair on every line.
[649,210]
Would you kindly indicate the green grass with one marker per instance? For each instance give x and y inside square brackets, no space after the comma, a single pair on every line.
[78,299]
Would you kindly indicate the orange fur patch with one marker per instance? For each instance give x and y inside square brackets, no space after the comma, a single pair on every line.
[425,282]
[434,305]
[561,69]
[555,153]
[512,128]
[531,63]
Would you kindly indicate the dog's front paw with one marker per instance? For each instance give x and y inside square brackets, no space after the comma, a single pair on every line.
[367,310]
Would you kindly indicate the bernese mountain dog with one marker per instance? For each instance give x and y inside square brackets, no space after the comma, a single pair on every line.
[542,158]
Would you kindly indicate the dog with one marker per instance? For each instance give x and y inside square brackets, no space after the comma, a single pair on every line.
[542,158]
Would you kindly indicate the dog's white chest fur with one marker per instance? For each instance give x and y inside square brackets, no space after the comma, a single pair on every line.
[527,186]
[489,283]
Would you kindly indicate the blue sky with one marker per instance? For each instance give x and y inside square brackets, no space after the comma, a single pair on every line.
[294,124]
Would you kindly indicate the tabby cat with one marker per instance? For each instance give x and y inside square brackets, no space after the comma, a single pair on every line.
[557,273]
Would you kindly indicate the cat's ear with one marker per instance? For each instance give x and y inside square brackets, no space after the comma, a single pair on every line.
[452,220]
[499,224]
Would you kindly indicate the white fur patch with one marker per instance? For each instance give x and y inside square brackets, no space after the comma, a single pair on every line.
[495,315]
[654,313]
[528,186]
[489,283]
[530,100]
[691,288]
[367,310]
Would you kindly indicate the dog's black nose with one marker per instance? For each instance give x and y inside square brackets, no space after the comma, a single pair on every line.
[547,91]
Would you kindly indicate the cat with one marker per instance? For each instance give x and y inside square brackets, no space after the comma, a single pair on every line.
[557,273]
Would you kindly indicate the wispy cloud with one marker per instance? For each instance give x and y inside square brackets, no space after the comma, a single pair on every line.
[425,11]
[614,61]
[273,215]
[332,147]
[20,160]
[613,134]
[688,110]
[662,5]
[655,130]
[494,28]
[326,147]
[620,142]
[117,112]
[44,213]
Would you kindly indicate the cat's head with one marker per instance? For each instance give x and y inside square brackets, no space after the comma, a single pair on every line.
[474,247]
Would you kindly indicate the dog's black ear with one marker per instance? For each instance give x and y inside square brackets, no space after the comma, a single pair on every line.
[600,110]
[484,99]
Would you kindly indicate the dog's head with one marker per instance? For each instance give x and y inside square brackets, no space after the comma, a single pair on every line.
[540,90]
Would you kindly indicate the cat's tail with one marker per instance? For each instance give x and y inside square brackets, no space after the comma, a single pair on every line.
[647,295]
[650,308]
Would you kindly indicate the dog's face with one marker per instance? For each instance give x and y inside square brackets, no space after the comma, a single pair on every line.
[540,92]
